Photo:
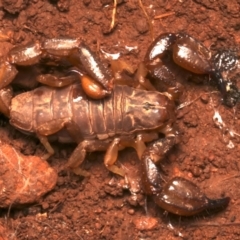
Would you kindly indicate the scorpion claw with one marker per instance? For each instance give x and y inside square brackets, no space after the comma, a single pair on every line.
[182,197]
[179,196]
[191,55]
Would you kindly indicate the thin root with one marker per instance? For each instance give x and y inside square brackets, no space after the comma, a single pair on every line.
[148,19]
[113,15]
[164,15]
[185,104]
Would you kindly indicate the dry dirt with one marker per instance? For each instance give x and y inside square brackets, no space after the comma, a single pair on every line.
[99,207]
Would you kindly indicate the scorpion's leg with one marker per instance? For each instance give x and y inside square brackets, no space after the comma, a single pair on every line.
[54,126]
[25,55]
[22,56]
[61,47]
[54,81]
[179,195]
[96,78]
[45,130]
[87,61]
[7,73]
[79,154]
[160,72]
[6,95]
[112,148]
[125,75]
[47,145]
[118,144]
[85,146]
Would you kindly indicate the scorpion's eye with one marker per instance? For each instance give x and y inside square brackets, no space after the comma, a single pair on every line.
[148,106]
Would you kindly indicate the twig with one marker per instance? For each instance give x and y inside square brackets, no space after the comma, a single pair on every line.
[214,224]
[164,15]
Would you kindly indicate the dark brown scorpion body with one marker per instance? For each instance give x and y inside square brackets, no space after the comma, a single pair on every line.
[123,116]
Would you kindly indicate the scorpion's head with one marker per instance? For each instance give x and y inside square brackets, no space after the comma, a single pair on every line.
[147,110]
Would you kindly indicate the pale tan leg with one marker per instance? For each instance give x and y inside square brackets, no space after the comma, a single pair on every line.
[74,131]
[141,78]
[6,95]
[112,152]
[48,147]
[55,126]
[45,130]
[139,144]
[79,154]
[7,73]
[53,81]
[111,157]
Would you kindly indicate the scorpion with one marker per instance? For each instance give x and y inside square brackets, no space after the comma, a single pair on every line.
[111,110]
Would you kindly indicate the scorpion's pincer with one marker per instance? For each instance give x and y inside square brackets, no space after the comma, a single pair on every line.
[97,79]
[179,196]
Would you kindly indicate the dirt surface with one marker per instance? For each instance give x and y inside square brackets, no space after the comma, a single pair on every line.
[100,207]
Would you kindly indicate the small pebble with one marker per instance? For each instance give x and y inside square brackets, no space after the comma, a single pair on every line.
[98,226]
[145,223]
[45,205]
[205,98]
[30,176]
[86,2]
[196,171]
[141,25]
[97,211]
[131,211]
[233,218]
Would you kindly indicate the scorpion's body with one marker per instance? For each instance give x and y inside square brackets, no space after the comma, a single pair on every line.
[121,117]
[125,113]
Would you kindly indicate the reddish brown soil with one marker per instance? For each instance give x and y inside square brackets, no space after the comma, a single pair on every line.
[98,207]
